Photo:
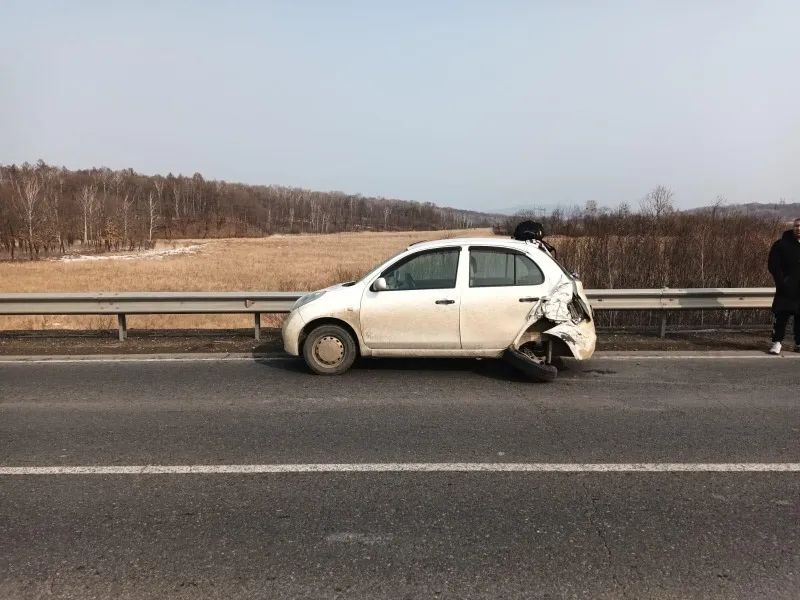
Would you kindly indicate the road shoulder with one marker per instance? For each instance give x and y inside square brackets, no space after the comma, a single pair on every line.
[79,343]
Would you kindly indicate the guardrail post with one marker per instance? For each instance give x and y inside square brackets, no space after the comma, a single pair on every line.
[122,326]
[663,324]
[257,323]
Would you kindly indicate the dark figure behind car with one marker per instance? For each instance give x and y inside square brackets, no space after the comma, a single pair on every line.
[784,266]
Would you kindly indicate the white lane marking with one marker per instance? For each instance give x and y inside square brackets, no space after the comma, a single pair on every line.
[137,359]
[678,355]
[742,356]
[409,468]
[358,538]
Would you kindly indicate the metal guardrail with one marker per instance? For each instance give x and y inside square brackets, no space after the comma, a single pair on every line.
[667,299]
[681,298]
[122,304]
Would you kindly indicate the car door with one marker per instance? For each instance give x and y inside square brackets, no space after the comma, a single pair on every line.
[502,288]
[420,308]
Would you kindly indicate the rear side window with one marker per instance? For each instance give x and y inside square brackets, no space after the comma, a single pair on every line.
[501,268]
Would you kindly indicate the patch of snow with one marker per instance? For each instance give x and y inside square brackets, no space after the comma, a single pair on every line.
[146,254]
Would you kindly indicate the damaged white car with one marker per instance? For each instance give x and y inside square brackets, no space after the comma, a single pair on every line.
[452,298]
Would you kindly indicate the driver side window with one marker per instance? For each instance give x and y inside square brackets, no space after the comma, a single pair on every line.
[435,270]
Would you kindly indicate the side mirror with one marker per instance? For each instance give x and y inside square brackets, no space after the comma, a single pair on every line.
[380,285]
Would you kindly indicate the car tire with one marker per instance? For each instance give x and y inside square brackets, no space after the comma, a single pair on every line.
[538,371]
[329,350]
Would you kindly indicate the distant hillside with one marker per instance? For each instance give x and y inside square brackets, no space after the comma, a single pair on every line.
[783,211]
[49,208]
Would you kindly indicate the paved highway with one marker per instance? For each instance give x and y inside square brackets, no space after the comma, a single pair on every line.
[426,532]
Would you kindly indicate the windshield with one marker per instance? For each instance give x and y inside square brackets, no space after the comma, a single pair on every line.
[377,267]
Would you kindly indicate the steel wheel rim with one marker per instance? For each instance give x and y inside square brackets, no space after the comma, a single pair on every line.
[329,350]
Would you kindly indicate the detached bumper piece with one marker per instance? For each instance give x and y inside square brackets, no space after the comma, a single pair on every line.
[540,371]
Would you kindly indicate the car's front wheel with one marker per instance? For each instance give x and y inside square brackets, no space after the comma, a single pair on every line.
[329,350]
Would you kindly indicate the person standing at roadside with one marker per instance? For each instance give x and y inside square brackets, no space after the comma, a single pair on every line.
[784,266]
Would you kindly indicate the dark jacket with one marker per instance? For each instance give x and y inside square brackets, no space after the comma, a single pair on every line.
[784,266]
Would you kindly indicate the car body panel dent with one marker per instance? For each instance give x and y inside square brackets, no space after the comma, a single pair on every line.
[577,333]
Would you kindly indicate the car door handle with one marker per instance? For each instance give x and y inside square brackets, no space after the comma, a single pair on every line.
[445,302]
[529,299]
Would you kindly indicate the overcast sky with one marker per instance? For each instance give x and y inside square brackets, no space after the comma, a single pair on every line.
[482,105]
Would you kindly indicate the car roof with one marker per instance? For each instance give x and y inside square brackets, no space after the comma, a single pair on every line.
[474,241]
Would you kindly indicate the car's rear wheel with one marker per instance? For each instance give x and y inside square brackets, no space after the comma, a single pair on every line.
[532,365]
[329,350]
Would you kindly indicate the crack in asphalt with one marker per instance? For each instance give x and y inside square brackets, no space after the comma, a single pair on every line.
[598,527]
[592,514]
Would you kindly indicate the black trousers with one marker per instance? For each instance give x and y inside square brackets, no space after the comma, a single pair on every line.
[779,321]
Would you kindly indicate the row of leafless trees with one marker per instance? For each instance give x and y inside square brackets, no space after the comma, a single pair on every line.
[660,247]
[46,209]
[656,211]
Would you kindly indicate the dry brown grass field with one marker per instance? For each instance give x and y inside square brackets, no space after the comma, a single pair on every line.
[697,258]
[277,263]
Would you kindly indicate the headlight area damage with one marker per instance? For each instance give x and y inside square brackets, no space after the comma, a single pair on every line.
[558,325]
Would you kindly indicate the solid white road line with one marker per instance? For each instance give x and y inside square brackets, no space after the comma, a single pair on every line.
[410,468]
[678,355]
[24,360]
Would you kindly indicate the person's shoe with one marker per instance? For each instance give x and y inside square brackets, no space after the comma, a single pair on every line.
[776,348]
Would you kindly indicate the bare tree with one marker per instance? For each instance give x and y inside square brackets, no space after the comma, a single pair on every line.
[387,210]
[29,186]
[117,178]
[176,195]
[125,208]
[719,203]
[104,177]
[658,202]
[158,184]
[152,214]
[53,198]
[7,216]
[87,201]
[315,214]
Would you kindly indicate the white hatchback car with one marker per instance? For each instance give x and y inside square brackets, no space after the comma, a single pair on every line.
[460,297]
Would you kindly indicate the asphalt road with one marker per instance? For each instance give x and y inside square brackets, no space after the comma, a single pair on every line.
[409,534]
